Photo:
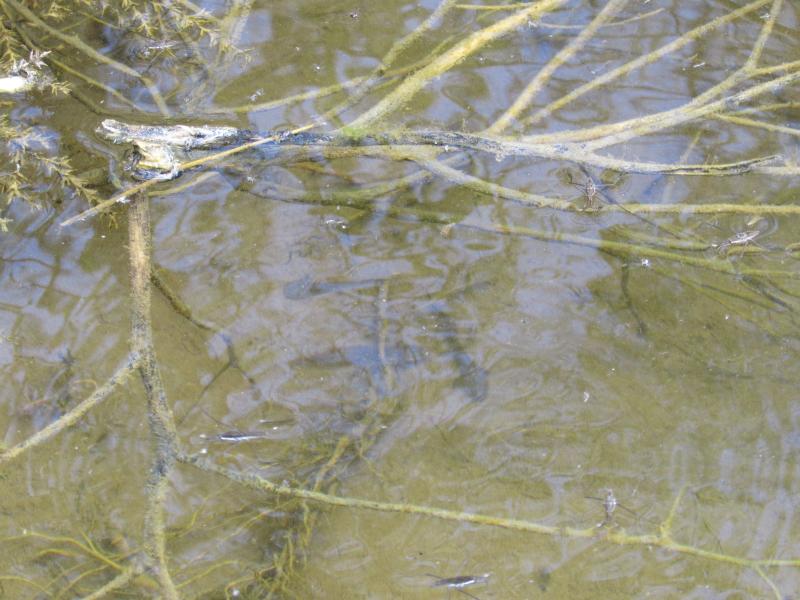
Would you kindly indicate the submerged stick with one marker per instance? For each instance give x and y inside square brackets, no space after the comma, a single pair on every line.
[162,425]
[409,88]
[662,539]
[544,75]
[646,59]
[73,416]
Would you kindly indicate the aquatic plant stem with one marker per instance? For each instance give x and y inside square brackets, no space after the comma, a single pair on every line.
[602,136]
[619,133]
[32,42]
[783,129]
[162,425]
[496,190]
[86,49]
[616,536]
[544,75]
[73,416]
[409,88]
[329,90]
[374,76]
[118,582]
[646,59]
[763,37]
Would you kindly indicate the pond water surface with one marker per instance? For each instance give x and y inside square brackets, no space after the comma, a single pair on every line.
[425,341]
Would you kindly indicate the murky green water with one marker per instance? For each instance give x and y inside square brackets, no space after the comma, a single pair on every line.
[406,344]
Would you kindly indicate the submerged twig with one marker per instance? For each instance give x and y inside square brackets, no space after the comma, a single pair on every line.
[643,60]
[662,539]
[162,424]
[545,73]
[406,90]
[73,416]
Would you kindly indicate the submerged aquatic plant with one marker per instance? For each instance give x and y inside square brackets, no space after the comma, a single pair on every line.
[33,170]
[33,156]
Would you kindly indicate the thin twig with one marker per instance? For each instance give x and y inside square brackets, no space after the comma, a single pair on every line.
[614,536]
[73,416]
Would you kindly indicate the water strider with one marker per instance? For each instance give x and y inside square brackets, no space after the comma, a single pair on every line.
[594,195]
[743,238]
[610,505]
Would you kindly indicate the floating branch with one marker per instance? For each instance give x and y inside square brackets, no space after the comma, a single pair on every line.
[498,146]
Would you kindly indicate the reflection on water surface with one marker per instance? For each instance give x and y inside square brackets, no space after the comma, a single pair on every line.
[555,347]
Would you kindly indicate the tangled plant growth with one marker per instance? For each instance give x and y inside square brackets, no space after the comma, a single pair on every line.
[154,34]
[739,99]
